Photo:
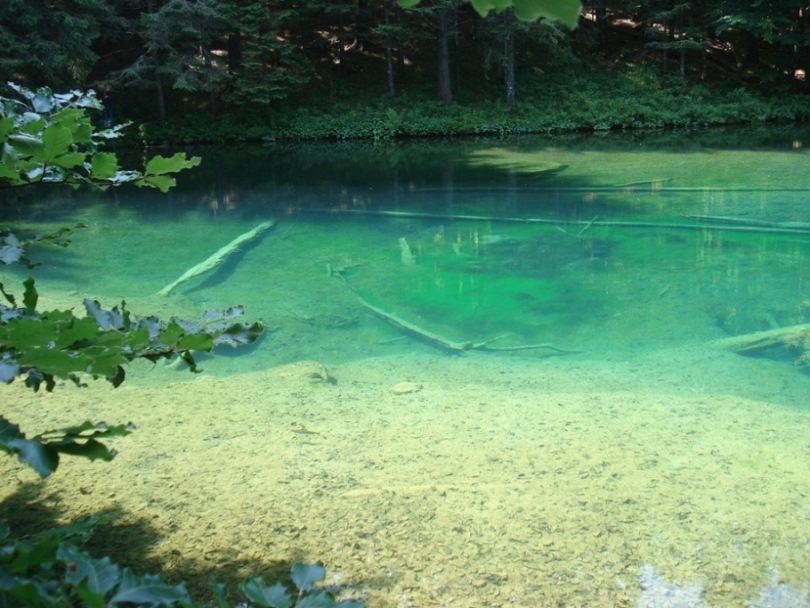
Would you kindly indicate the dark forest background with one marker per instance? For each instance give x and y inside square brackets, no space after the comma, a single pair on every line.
[248,69]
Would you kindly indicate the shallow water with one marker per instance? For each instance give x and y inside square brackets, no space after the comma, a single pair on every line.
[501,475]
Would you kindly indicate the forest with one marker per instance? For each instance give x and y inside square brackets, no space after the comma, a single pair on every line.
[212,70]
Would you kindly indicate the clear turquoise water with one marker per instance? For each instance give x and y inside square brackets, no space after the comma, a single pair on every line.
[644,456]
[619,262]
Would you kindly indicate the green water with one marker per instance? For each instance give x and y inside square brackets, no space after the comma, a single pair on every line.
[634,453]
[643,242]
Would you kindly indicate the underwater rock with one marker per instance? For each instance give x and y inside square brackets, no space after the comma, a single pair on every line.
[403,388]
[312,371]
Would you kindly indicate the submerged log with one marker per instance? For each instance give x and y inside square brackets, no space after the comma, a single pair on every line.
[437,340]
[794,335]
[699,223]
[217,258]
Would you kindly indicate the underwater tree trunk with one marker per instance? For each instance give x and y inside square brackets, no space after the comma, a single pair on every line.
[795,335]
[216,259]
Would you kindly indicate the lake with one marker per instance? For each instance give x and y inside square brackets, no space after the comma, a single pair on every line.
[530,372]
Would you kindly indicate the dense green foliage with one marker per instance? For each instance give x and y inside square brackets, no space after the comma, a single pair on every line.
[359,68]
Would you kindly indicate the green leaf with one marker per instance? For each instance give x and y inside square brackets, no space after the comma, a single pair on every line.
[103,165]
[202,342]
[161,182]
[160,165]
[306,575]
[25,144]
[565,11]
[266,597]
[69,161]
[42,458]
[30,296]
[102,575]
[320,599]
[6,127]
[56,141]
[28,556]
[148,589]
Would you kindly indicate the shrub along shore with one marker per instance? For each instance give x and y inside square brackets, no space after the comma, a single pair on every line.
[636,99]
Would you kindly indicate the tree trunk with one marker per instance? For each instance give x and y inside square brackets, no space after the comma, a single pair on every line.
[509,60]
[209,78]
[161,98]
[389,56]
[234,50]
[445,86]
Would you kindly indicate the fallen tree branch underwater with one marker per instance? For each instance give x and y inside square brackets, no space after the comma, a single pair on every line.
[761,340]
[435,339]
[708,222]
[217,258]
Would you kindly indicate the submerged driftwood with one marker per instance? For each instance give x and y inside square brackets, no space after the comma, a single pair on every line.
[436,339]
[217,258]
[760,340]
[699,222]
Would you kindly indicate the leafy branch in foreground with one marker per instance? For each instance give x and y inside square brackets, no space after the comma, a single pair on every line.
[49,137]
[59,345]
[42,452]
[56,345]
[12,249]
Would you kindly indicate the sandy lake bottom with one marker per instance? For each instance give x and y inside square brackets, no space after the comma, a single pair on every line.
[433,480]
